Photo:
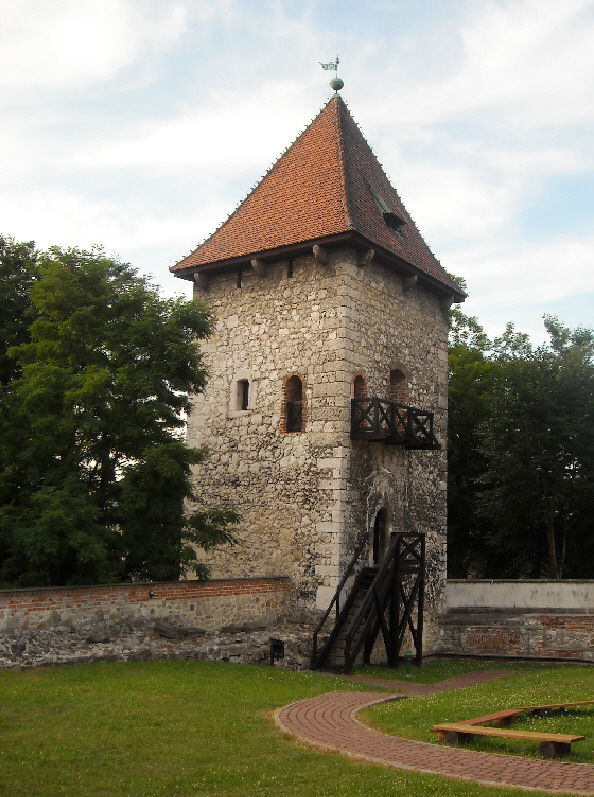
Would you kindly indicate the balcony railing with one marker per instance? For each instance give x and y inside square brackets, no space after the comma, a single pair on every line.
[392,423]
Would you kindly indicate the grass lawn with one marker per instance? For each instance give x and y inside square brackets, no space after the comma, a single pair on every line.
[192,728]
[433,670]
[526,685]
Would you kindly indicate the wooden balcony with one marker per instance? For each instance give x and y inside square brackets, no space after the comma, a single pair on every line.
[376,419]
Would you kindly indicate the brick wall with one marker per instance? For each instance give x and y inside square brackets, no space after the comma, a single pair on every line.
[517,634]
[205,604]
[523,619]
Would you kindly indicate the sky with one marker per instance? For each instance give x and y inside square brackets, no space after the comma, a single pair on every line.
[140,125]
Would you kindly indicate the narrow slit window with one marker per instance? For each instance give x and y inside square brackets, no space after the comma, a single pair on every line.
[293,405]
[243,394]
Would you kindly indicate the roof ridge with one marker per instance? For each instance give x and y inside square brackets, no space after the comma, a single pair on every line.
[409,246]
[342,163]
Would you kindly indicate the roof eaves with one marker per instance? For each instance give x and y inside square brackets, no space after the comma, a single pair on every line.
[295,249]
[395,262]
[351,237]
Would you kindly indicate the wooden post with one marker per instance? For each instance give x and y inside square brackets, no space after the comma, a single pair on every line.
[420,602]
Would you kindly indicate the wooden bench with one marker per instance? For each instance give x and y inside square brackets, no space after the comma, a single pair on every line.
[550,708]
[508,715]
[503,717]
[551,744]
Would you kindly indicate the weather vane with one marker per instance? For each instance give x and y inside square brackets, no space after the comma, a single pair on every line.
[336,83]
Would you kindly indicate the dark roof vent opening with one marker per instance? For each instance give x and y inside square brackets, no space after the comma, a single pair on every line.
[394,221]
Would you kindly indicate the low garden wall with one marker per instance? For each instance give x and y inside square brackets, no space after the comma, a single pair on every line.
[522,594]
[523,619]
[205,604]
[222,620]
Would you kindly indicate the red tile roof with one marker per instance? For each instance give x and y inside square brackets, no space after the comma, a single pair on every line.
[323,186]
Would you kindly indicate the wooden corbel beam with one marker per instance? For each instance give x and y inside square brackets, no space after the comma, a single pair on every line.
[409,282]
[201,279]
[259,267]
[320,254]
[446,302]
[365,257]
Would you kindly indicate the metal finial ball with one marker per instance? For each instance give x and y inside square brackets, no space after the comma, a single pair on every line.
[337,83]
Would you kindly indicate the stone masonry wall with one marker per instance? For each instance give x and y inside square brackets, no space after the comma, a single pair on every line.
[267,329]
[206,604]
[231,620]
[306,498]
[393,328]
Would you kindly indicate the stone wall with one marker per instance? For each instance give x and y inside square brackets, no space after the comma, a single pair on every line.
[307,498]
[281,483]
[231,620]
[526,619]
[390,328]
[205,604]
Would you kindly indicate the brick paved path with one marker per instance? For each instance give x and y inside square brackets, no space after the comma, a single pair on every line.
[328,721]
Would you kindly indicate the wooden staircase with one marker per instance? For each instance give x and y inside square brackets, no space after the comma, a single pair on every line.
[332,655]
[380,599]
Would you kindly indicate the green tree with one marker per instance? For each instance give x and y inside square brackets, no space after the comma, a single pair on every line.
[536,498]
[520,449]
[94,474]
[18,267]
[154,492]
[471,376]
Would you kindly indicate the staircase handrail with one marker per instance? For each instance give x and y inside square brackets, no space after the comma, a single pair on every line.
[364,613]
[336,599]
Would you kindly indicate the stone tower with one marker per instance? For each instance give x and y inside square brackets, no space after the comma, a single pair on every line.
[326,406]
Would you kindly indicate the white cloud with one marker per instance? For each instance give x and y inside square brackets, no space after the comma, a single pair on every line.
[520,282]
[475,192]
[71,219]
[535,57]
[451,202]
[470,110]
[528,274]
[520,62]
[69,44]
[221,136]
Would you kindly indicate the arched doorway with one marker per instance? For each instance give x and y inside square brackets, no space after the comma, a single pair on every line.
[380,526]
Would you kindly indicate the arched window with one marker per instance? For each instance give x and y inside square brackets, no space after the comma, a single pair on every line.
[293,408]
[397,387]
[380,528]
[359,387]
[360,407]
